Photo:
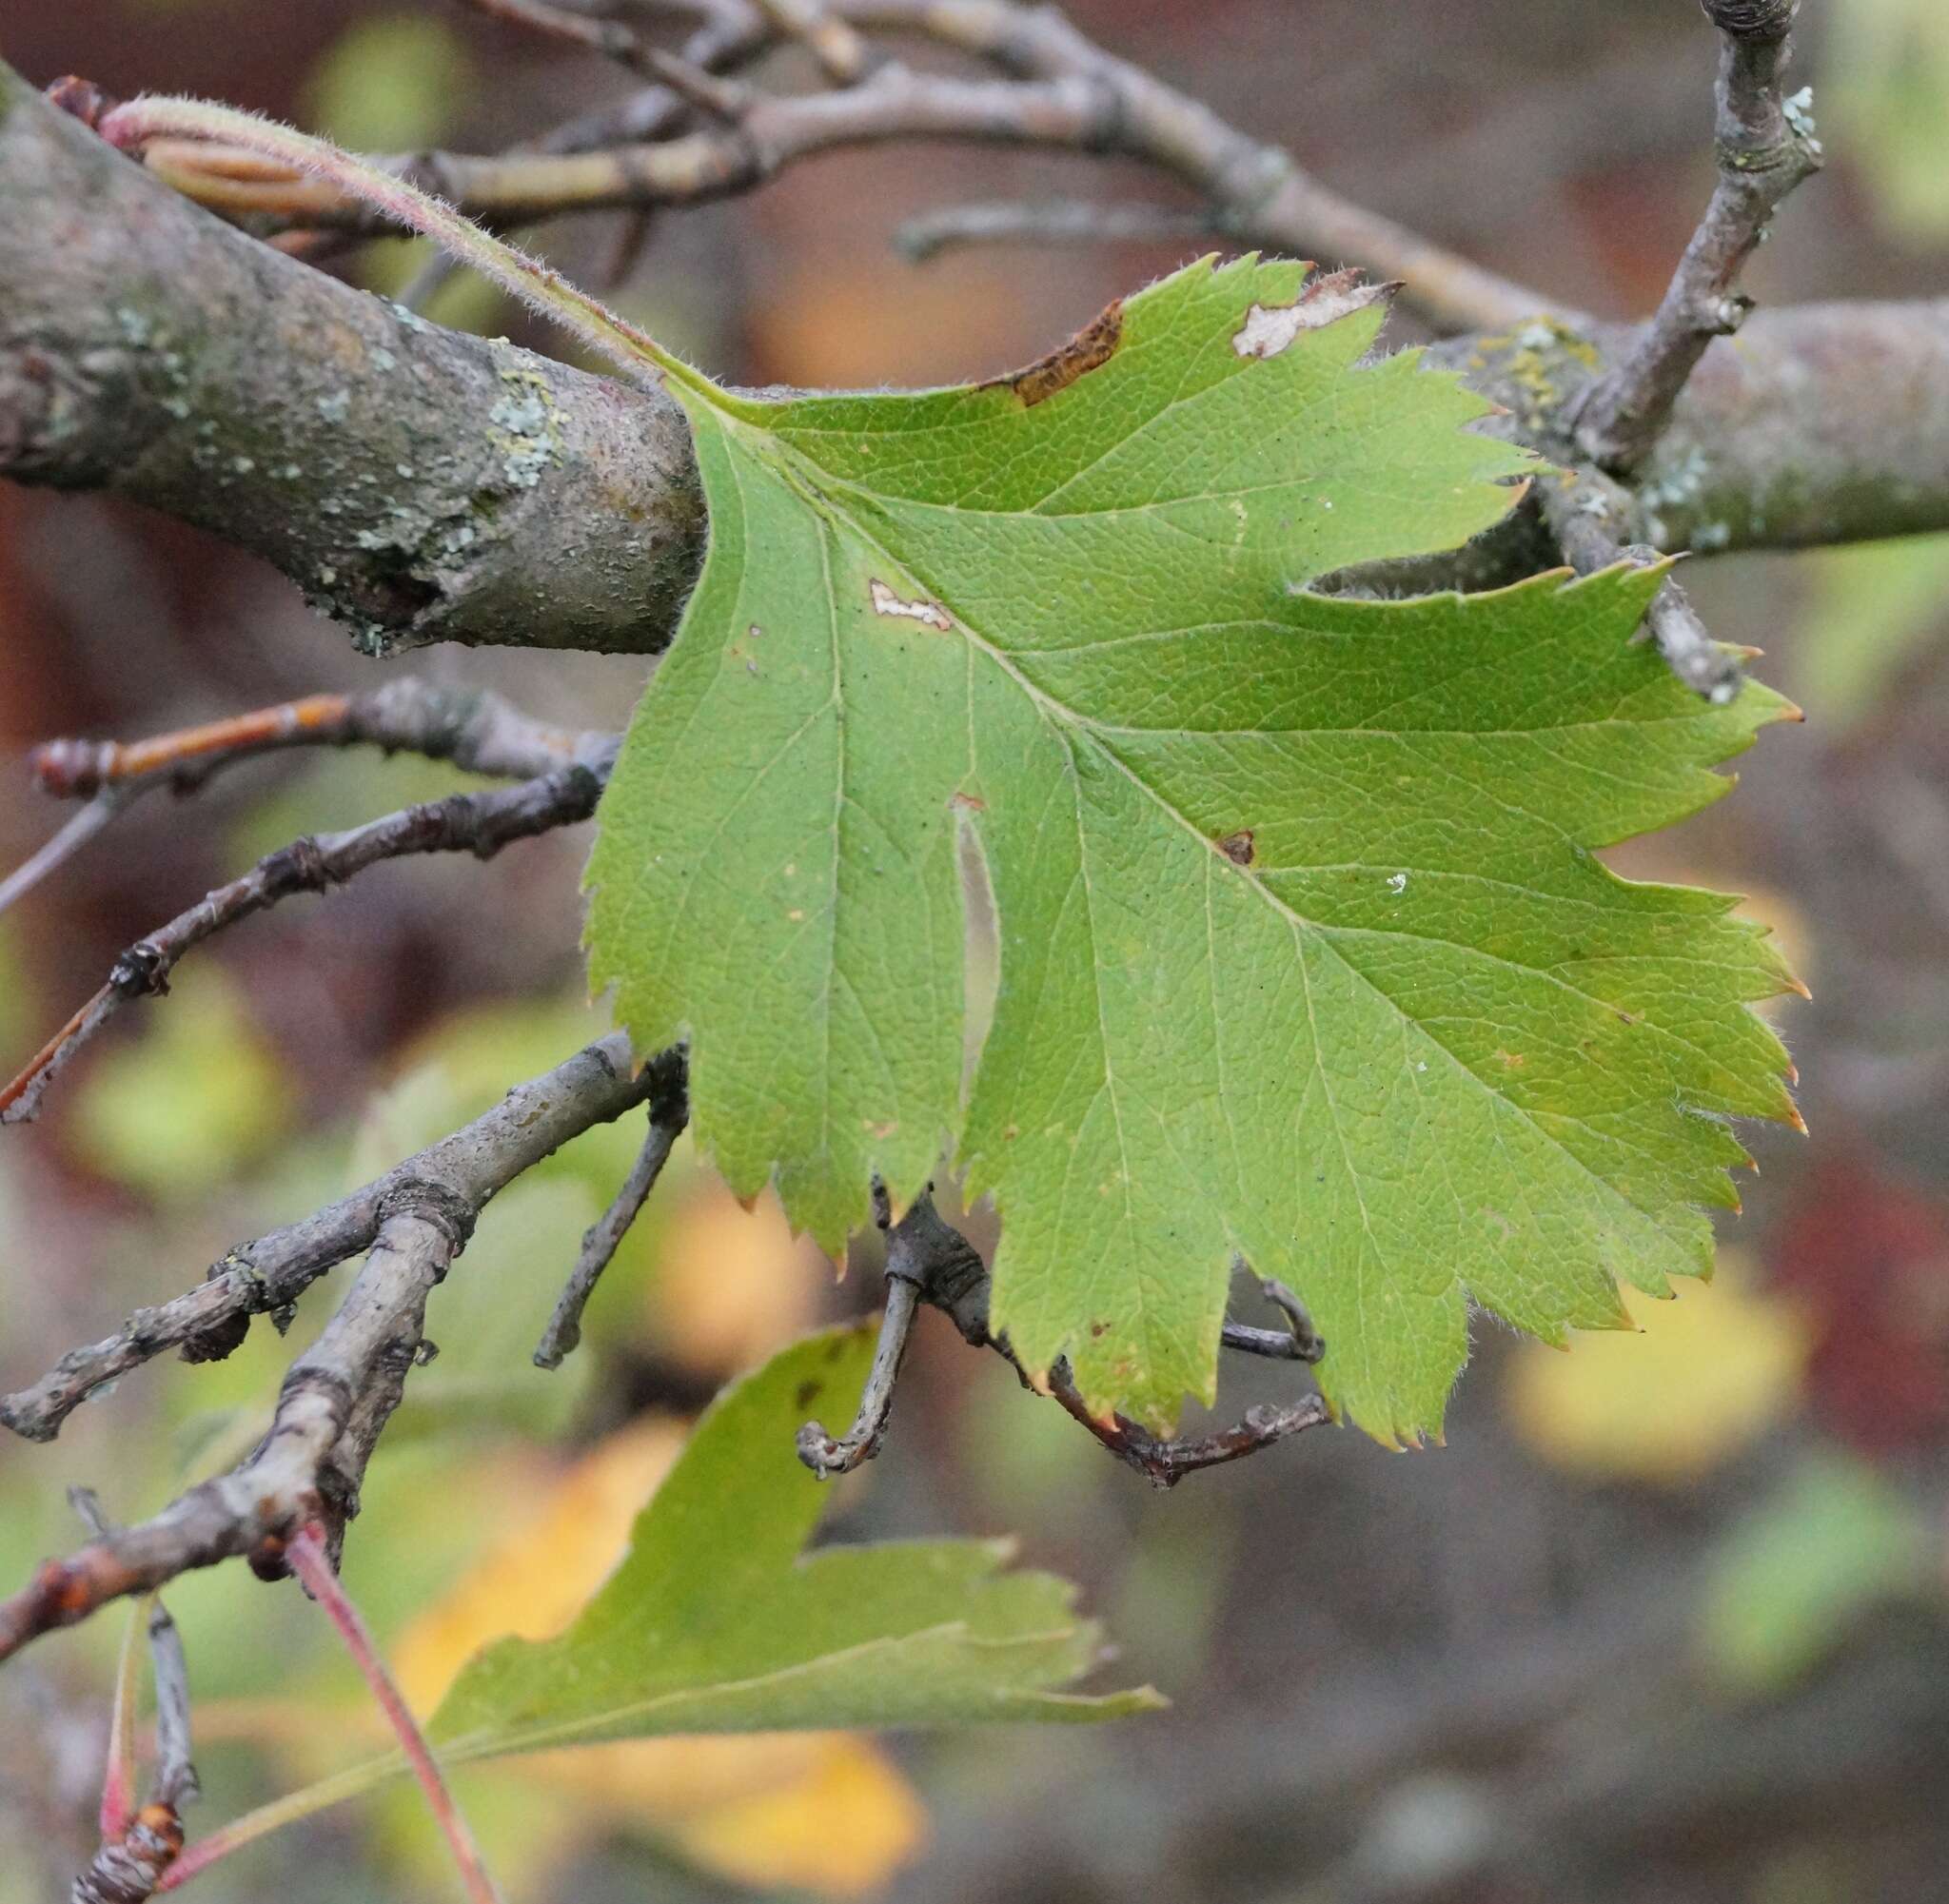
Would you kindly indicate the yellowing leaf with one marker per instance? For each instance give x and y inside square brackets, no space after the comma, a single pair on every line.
[822,1812]
[1712,1368]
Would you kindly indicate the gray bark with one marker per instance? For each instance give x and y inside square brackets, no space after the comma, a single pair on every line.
[418,485]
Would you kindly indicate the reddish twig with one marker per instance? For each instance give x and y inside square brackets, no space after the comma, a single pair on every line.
[311,1561]
[930,1261]
[476,731]
[140,1848]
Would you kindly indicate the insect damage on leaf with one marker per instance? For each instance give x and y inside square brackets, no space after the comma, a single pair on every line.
[1076,632]
[1266,331]
[929,614]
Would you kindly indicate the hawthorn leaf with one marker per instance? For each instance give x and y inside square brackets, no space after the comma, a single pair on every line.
[1305,955]
[716,1622]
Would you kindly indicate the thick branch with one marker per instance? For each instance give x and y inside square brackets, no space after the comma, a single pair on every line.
[459,1176]
[417,484]
[1829,423]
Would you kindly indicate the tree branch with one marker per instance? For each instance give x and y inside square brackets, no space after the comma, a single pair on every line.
[1830,424]
[458,1177]
[1766,147]
[417,484]
[669,1113]
[1580,512]
[308,1466]
[477,731]
[340,1393]
[1067,94]
[478,823]
[1056,222]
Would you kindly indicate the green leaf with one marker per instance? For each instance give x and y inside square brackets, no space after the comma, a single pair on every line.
[1303,952]
[716,1622]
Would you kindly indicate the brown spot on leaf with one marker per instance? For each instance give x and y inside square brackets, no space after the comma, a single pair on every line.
[1237,847]
[1091,347]
[808,1393]
[1098,1328]
[972,802]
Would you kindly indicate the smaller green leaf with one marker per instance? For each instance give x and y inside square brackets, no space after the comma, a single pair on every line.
[1834,1539]
[715,1621]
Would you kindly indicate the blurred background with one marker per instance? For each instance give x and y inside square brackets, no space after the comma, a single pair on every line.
[1668,1619]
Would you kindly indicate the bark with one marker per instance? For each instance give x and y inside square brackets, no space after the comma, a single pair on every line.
[417,484]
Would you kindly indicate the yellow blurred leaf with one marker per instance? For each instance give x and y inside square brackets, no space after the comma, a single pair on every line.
[733,1285]
[840,1827]
[820,1812]
[1706,1372]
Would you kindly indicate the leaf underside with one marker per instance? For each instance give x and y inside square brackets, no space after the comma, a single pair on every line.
[715,1623]
[1303,953]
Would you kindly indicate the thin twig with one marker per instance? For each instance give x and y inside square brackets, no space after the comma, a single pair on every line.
[456,1177]
[139,1849]
[828,1455]
[586,32]
[1061,91]
[1297,1342]
[176,1783]
[844,55]
[311,1561]
[930,1261]
[476,731]
[1164,1463]
[1766,147]
[478,823]
[73,836]
[1057,222]
[669,1112]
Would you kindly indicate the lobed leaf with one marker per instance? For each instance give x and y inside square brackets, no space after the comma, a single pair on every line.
[1305,953]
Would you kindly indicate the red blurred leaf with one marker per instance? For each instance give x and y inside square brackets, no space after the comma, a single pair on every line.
[1869,1258]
